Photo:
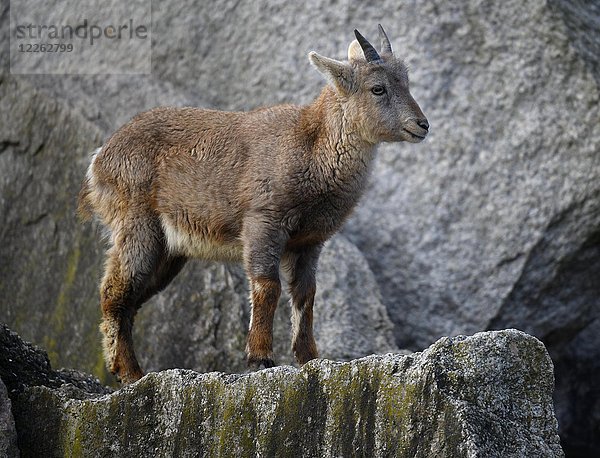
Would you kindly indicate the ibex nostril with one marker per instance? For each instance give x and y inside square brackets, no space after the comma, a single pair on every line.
[423,123]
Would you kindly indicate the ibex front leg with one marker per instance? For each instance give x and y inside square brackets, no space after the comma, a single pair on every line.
[262,256]
[301,268]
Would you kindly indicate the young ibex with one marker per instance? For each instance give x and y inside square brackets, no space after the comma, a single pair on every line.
[266,187]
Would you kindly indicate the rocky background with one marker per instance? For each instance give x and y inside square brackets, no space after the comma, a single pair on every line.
[492,222]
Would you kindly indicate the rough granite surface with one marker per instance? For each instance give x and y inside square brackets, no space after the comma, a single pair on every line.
[8,433]
[485,395]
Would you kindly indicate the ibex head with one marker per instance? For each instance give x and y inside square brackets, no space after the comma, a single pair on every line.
[373,88]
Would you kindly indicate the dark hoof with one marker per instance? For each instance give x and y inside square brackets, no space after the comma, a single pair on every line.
[128,379]
[256,363]
[268,363]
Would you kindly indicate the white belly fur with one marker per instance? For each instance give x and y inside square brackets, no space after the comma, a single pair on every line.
[181,243]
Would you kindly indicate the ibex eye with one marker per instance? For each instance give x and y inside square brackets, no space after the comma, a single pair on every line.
[378,90]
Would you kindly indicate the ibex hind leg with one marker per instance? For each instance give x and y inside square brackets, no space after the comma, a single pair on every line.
[168,269]
[131,266]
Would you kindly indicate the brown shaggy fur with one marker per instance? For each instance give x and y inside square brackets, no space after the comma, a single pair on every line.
[267,188]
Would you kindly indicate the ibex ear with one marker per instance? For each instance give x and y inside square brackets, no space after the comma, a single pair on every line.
[355,52]
[339,74]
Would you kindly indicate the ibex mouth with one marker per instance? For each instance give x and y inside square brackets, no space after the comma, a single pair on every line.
[415,136]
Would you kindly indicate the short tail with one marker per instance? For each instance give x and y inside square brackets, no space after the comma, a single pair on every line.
[84,205]
[85,209]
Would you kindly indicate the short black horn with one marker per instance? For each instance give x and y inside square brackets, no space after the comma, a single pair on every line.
[386,46]
[368,49]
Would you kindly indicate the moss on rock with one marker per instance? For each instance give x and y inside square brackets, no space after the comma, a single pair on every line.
[485,395]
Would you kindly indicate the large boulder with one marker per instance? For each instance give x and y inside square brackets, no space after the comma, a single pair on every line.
[49,263]
[107,100]
[494,221]
[485,395]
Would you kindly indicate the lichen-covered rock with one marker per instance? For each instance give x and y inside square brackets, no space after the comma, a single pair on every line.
[8,433]
[486,395]
[24,365]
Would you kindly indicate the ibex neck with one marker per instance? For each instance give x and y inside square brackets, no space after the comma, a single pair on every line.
[332,129]
[339,155]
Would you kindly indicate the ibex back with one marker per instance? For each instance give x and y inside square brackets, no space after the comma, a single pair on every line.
[267,187]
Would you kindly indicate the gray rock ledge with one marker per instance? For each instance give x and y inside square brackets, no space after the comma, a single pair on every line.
[489,395]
